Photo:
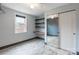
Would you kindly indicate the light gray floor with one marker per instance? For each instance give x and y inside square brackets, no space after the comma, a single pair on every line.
[53,41]
[33,47]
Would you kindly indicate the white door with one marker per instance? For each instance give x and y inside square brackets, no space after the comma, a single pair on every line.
[67,25]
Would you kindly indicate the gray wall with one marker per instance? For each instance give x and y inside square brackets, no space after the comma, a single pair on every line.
[65,8]
[7,27]
[52,27]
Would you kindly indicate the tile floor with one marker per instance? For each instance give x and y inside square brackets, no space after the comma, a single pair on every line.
[33,47]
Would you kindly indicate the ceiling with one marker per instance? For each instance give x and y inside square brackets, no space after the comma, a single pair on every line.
[38,10]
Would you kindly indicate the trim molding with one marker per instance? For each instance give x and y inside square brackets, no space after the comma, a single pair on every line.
[6,46]
[77,53]
[40,38]
[68,51]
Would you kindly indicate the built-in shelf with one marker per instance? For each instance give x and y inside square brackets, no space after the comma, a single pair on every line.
[39,19]
[40,33]
[39,24]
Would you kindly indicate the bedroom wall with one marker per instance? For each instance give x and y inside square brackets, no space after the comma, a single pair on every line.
[7,27]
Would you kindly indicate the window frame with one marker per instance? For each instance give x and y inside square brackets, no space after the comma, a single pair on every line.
[26,23]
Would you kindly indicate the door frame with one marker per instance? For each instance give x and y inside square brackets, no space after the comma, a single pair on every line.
[47,29]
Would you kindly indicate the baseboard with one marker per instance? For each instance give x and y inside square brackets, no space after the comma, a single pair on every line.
[6,46]
[67,50]
[51,35]
[40,38]
[45,43]
[77,53]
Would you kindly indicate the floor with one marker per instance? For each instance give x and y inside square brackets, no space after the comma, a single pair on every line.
[53,41]
[33,47]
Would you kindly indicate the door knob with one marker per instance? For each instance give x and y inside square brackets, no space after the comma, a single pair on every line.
[74,33]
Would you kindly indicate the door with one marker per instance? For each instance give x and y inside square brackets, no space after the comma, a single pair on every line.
[67,25]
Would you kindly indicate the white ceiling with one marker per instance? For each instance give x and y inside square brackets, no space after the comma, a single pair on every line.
[37,11]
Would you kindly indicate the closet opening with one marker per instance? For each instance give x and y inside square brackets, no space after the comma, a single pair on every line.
[53,31]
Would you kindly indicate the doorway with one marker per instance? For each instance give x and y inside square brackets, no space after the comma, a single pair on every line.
[53,31]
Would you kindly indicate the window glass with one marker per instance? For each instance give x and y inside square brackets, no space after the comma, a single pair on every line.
[20,24]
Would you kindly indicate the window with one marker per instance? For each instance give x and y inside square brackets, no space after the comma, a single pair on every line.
[20,24]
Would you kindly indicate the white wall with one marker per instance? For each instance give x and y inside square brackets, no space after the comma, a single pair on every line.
[77,42]
[65,8]
[7,28]
[40,16]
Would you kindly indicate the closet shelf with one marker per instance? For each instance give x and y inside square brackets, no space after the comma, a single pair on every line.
[39,19]
[39,26]
[40,23]
[39,32]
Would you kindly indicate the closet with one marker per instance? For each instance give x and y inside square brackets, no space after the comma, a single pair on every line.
[67,30]
[67,25]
